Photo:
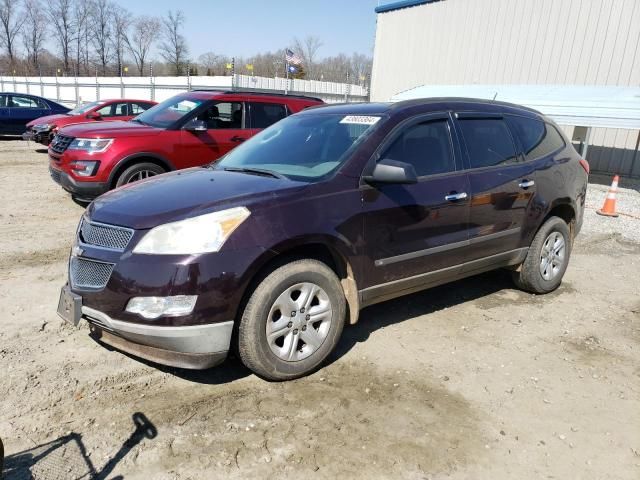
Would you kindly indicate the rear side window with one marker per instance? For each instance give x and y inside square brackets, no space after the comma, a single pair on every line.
[488,142]
[264,115]
[16,101]
[426,146]
[138,108]
[538,138]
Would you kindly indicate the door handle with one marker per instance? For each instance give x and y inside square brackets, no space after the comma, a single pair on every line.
[526,183]
[236,138]
[452,197]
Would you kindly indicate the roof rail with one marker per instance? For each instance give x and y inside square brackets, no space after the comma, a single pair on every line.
[248,91]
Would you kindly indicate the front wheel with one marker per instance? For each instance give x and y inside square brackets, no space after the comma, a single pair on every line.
[292,321]
[139,171]
[547,259]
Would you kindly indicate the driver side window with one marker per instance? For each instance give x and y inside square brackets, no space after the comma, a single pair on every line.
[224,115]
[114,110]
[426,146]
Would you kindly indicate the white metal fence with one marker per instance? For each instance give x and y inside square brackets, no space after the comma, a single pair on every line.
[76,90]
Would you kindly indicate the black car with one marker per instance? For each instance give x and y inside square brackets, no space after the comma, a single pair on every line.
[284,240]
[18,109]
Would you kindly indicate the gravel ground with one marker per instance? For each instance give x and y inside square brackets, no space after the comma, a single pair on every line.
[469,380]
[627,225]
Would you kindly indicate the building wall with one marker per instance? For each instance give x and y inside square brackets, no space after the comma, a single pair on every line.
[458,42]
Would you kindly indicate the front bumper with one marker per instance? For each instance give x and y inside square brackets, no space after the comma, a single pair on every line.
[194,347]
[83,190]
[39,137]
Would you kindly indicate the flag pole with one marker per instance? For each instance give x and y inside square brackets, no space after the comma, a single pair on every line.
[286,83]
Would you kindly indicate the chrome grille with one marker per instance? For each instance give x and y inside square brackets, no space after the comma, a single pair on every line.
[89,274]
[104,236]
[60,143]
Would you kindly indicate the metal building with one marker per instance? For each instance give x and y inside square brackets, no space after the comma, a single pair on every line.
[516,43]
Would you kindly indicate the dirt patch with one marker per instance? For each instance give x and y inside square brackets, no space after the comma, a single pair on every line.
[36,258]
[589,349]
[614,245]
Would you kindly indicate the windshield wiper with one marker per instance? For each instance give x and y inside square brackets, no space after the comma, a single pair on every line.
[254,171]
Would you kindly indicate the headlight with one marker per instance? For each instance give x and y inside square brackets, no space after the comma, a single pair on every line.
[43,127]
[203,234]
[91,145]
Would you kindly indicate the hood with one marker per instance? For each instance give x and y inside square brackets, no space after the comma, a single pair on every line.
[55,119]
[111,129]
[183,194]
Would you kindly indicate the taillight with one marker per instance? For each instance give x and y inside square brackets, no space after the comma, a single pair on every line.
[585,165]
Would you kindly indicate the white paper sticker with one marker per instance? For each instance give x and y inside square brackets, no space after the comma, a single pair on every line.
[359,120]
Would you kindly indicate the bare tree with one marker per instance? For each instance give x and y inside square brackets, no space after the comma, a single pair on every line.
[174,47]
[268,64]
[307,49]
[11,22]
[120,22]
[81,17]
[61,18]
[34,31]
[213,63]
[101,21]
[140,40]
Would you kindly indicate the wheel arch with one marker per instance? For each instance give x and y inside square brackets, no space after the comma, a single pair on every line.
[139,157]
[564,209]
[327,251]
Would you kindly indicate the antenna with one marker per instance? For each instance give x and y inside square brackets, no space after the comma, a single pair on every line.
[494,97]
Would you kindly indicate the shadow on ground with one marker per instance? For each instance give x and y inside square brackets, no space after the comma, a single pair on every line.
[421,303]
[66,457]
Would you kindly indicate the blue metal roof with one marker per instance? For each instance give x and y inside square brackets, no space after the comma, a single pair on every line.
[402,4]
[578,105]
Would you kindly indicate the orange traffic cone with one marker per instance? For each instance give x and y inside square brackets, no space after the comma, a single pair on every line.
[609,207]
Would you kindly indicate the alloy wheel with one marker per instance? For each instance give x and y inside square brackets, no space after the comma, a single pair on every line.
[299,321]
[552,256]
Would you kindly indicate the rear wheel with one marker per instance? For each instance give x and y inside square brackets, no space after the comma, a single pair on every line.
[139,171]
[547,259]
[292,321]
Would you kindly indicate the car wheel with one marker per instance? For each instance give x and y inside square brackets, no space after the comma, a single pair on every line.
[139,171]
[547,259]
[292,321]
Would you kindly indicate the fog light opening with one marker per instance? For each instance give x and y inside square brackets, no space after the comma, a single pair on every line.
[154,307]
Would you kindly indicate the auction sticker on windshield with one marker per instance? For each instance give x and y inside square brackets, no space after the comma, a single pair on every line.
[359,120]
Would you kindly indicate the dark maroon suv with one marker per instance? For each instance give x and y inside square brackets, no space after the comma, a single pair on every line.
[278,245]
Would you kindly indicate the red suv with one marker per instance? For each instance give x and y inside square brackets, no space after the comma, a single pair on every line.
[188,130]
[43,129]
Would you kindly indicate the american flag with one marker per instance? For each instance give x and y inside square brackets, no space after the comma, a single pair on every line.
[292,57]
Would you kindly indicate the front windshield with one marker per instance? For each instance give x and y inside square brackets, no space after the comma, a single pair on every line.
[168,112]
[84,108]
[303,147]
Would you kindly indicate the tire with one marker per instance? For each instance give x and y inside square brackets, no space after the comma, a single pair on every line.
[536,274]
[285,354]
[139,171]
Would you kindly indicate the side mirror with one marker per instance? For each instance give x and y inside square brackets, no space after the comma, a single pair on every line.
[196,126]
[392,171]
[94,116]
